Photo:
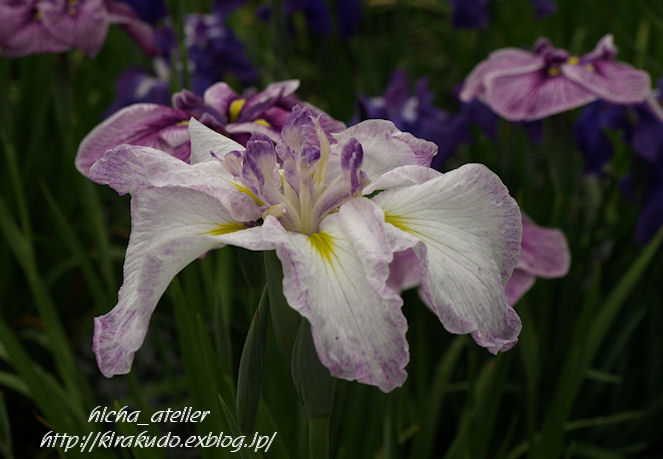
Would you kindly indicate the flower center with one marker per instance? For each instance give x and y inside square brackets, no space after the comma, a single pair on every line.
[300,181]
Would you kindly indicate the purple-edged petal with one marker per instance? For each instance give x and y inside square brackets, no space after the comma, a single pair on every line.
[139,124]
[336,279]
[128,168]
[385,147]
[171,227]
[521,281]
[545,252]
[612,81]
[206,143]
[508,61]
[471,229]
[534,95]
[82,24]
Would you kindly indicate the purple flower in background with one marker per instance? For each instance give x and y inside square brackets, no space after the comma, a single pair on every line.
[544,253]
[590,133]
[543,8]
[519,85]
[214,52]
[417,115]
[469,14]
[315,12]
[135,86]
[150,11]
[354,216]
[349,16]
[41,26]
[166,128]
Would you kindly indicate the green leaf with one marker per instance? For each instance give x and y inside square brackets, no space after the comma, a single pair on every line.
[285,320]
[586,343]
[252,368]
[312,379]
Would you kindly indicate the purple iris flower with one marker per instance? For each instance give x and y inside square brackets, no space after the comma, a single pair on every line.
[544,253]
[519,85]
[347,212]
[590,133]
[166,128]
[469,14]
[42,26]
[214,52]
[135,86]
[417,114]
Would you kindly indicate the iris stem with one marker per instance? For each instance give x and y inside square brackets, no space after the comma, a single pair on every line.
[318,434]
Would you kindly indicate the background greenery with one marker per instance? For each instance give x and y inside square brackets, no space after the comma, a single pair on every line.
[584,381]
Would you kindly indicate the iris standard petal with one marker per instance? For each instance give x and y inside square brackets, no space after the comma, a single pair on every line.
[385,147]
[336,279]
[471,229]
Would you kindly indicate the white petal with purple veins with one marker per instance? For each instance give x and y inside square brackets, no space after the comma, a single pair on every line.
[471,229]
[171,227]
[336,278]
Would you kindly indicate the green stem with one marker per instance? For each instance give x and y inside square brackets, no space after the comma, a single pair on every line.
[318,434]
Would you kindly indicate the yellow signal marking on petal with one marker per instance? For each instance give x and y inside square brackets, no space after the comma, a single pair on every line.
[262,122]
[398,222]
[553,71]
[234,109]
[244,189]
[225,228]
[590,67]
[183,123]
[573,60]
[323,243]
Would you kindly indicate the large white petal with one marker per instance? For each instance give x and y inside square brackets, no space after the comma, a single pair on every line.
[171,226]
[337,280]
[204,141]
[471,229]
[128,168]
